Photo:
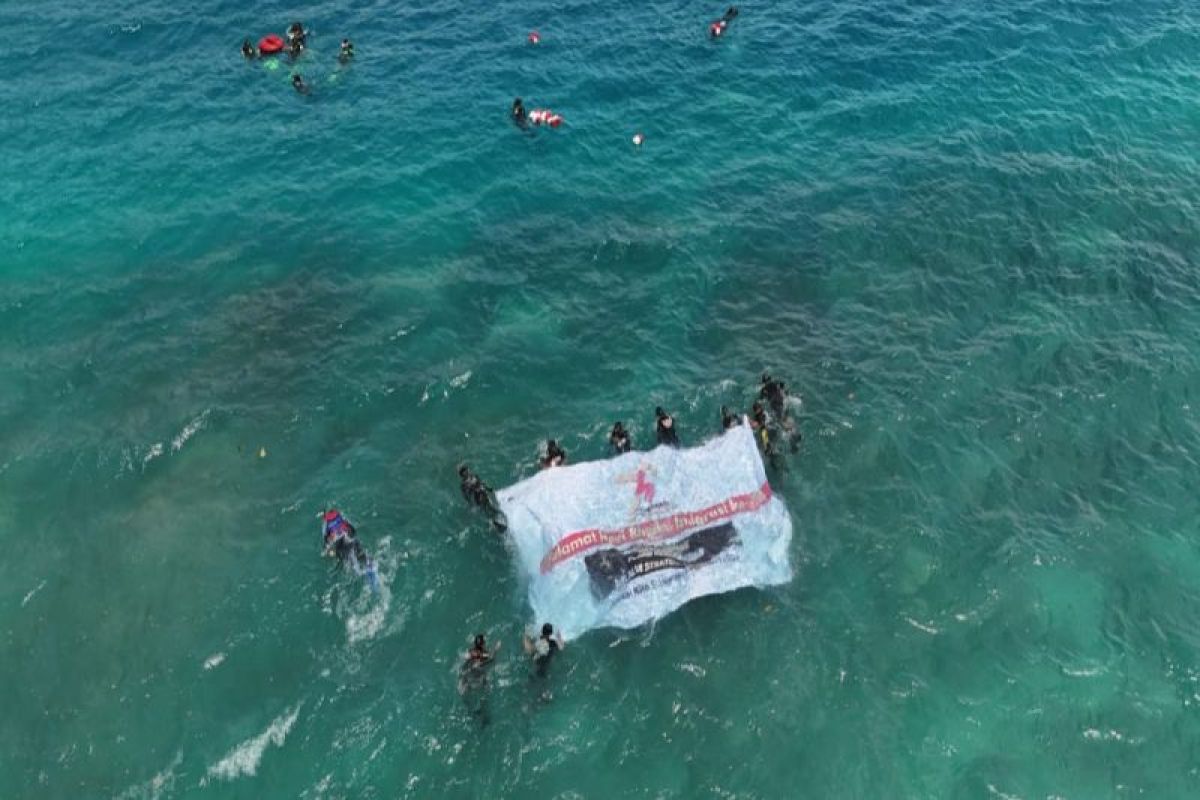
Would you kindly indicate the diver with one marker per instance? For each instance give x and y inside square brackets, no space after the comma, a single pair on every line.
[543,648]
[555,455]
[619,440]
[479,655]
[717,29]
[729,419]
[341,540]
[347,51]
[299,85]
[340,535]
[775,393]
[665,428]
[248,50]
[759,424]
[297,37]
[480,495]
[472,677]
[519,116]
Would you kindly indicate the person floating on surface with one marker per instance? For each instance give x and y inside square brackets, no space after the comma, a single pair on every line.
[472,677]
[480,495]
[347,51]
[717,28]
[729,419]
[758,423]
[665,428]
[776,394]
[299,85]
[248,50]
[543,648]
[297,37]
[555,455]
[619,439]
[341,540]
[519,116]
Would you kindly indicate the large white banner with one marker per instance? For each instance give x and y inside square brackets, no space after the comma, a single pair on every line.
[620,542]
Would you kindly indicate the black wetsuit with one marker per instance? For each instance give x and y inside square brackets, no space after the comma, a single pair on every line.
[729,419]
[476,492]
[518,114]
[555,456]
[619,440]
[775,393]
[541,663]
[666,433]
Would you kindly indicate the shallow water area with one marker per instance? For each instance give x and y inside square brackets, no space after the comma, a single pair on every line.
[964,235]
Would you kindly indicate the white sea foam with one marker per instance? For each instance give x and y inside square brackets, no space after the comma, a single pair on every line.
[154,452]
[245,758]
[189,430]
[214,661]
[29,595]
[163,781]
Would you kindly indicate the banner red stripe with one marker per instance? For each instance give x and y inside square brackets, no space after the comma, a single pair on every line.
[574,544]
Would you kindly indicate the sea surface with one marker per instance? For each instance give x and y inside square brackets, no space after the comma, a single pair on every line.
[966,233]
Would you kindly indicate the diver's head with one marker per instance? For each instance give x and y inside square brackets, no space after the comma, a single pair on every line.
[551,444]
[725,411]
[479,645]
[766,378]
[297,80]
[547,630]
[658,412]
[463,471]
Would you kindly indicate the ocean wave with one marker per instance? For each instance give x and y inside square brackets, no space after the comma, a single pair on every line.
[244,759]
[189,430]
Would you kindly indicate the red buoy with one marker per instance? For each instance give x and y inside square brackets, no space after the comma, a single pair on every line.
[271,43]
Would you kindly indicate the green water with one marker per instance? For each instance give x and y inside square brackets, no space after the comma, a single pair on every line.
[965,235]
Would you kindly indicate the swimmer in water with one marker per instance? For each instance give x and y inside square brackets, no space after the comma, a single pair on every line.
[480,495]
[555,455]
[248,50]
[619,439]
[776,394]
[665,428]
[758,422]
[296,35]
[717,29]
[519,116]
[472,677]
[543,648]
[347,51]
[729,419]
[299,85]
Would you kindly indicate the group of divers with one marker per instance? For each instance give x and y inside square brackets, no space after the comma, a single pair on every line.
[297,42]
[775,432]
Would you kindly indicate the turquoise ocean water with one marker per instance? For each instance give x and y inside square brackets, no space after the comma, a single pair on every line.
[966,233]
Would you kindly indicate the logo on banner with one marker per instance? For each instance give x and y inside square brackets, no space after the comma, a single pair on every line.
[644,490]
[612,568]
